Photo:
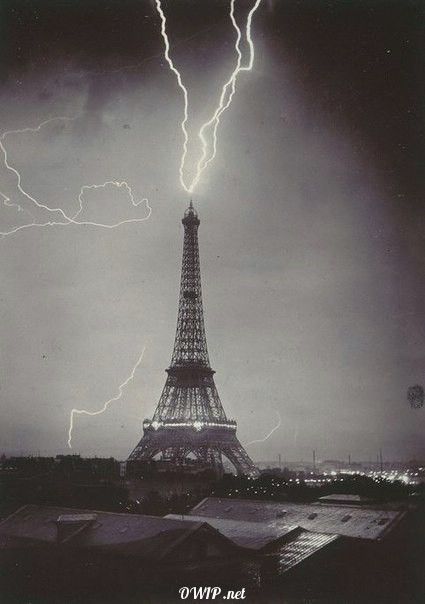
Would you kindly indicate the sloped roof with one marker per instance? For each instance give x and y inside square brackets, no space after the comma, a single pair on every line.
[252,535]
[290,545]
[146,536]
[359,522]
[304,545]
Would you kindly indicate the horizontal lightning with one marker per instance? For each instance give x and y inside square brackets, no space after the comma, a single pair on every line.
[113,183]
[262,440]
[106,404]
[208,131]
[65,220]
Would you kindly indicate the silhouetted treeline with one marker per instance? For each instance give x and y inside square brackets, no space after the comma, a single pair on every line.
[71,481]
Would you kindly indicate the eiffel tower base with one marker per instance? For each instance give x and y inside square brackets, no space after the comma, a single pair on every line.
[208,446]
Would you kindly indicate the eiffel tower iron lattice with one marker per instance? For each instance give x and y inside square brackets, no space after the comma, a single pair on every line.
[189,418]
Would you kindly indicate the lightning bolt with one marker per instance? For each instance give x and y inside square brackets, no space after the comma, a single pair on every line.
[209,149]
[66,220]
[262,440]
[181,86]
[119,185]
[106,404]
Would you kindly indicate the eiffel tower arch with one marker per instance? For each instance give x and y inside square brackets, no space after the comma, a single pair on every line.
[189,419]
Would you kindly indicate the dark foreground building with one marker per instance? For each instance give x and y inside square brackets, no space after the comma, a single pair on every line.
[279,552]
[51,553]
[377,554]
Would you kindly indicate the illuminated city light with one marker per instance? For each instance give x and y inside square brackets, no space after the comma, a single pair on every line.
[196,425]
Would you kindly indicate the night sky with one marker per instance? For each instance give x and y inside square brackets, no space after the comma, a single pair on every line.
[312,221]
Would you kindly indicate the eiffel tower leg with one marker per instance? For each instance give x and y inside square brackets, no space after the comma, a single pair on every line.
[213,459]
[240,459]
[145,450]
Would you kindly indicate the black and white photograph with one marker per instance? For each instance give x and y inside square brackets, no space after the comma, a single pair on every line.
[212,307]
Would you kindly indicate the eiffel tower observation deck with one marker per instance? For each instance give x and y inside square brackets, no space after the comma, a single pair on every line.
[189,421]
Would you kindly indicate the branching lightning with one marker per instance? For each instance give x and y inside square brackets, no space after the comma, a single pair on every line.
[114,183]
[210,127]
[106,404]
[262,440]
[65,220]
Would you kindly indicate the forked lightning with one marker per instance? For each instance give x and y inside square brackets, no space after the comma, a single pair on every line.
[65,220]
[209,147]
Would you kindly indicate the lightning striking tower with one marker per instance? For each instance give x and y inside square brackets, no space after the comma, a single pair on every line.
[189,418]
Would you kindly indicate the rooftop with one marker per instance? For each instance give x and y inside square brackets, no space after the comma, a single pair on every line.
[304,545]
[349,521]
[290,544]
[253,535]
[146,536]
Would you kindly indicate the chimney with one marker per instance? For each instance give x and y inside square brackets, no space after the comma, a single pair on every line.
[70,525]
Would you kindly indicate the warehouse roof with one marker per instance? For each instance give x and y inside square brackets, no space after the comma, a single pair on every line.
[304,545]
[350,521]
[253,535]
[290,544]
[146,536]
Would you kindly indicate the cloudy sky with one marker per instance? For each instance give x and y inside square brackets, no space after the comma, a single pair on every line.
[312,221]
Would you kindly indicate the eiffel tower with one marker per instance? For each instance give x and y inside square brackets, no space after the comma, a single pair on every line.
[189,419]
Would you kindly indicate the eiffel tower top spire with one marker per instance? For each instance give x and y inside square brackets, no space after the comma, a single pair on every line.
[190,345]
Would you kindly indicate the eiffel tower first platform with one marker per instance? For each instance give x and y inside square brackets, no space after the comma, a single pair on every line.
[189,421]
